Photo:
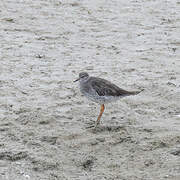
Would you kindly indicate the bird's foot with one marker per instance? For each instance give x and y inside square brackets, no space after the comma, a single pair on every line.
[96,124]
[92,125]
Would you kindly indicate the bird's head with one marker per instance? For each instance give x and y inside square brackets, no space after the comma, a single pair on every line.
[83,76]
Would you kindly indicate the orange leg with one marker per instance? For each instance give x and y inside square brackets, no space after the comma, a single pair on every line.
[100,114]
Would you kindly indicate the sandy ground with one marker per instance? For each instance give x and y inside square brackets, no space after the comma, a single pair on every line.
[44,44]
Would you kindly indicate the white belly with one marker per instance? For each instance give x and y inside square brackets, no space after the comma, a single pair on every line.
[102,99]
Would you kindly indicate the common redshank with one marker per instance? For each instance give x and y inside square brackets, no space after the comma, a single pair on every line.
[101,91]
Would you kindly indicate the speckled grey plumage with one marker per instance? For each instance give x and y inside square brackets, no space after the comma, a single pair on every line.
[100,90]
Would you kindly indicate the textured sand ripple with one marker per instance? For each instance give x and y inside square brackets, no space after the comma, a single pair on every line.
[43,117]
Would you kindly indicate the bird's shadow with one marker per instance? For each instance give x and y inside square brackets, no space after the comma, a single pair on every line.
[103,128]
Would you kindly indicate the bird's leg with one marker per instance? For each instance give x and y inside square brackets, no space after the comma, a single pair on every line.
[100,114]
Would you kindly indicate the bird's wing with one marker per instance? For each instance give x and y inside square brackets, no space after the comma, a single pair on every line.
[106,88]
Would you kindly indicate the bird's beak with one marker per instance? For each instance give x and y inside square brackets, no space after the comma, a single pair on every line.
[76,80]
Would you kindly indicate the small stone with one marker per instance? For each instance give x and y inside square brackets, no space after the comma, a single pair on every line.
[9,19]
[100,139]
[40,56]
[88,163]
[113,118]
[175,152]
[174,49]
[148,162]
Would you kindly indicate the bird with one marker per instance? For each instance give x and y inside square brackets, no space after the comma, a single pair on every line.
[101,91]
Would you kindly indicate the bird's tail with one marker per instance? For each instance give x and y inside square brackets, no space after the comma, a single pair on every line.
[135,92]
